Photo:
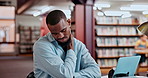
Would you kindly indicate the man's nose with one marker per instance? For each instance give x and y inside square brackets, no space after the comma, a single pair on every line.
[60,35]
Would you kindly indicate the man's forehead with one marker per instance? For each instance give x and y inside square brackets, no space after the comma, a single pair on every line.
[59,26]
[57,29]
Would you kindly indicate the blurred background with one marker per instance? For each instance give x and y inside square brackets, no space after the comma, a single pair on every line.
[107,27]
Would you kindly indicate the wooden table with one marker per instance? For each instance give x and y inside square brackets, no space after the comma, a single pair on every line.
[141,51]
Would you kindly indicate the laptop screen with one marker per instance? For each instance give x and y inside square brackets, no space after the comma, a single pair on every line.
[127,65]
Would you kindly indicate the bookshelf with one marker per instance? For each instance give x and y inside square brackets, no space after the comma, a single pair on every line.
[28,35]
[114,41]
[73,28]
[7,36]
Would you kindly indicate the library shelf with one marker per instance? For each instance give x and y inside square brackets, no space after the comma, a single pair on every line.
[117,24]
[8,42]
[26,43]
[28,35]
[112,38]
[118,35]
[106,57]
[110,67]
[7,19]
[116,46]
[146,66]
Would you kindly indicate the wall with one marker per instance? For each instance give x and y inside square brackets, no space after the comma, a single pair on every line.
[13,2]
[25,20]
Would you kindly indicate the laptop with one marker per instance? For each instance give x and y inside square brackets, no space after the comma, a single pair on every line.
[127,65]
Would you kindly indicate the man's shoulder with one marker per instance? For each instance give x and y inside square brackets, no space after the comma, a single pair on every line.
[78,42]
[42,41]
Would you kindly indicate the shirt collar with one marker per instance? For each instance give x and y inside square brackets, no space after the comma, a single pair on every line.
[51,39]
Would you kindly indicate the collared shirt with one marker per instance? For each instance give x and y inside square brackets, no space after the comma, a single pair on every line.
[50,60]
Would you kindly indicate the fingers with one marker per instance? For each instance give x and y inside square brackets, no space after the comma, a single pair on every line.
[71,44]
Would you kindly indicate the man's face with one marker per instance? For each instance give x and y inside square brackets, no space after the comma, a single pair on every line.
[61,31]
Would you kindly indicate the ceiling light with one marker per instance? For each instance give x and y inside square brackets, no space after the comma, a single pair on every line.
[115,13]
[67,13]
[45,9]
[94,8]
[145,12]
[126,15]
[103,5]
[100,14]
[39,7]
[142,6]
[36,14]
[97,8]
[133,8]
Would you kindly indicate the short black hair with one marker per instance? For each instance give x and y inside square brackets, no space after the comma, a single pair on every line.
[54,17]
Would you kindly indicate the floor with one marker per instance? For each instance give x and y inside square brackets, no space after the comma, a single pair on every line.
[15,66]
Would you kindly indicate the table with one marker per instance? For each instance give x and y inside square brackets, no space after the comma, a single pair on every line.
[141,51]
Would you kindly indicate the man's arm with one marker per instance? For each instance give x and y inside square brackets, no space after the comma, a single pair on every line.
[89,68]
[47,60]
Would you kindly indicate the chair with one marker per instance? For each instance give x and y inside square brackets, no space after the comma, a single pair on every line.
[31,75]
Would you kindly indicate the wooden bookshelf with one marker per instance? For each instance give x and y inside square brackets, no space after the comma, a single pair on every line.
[117,24]
[110,38]
[8,32]
[144,66]
[115,46]
[8,42]
[7,19]
[114,41]
[28,35]
[117,35]
[73,29]
[109,57]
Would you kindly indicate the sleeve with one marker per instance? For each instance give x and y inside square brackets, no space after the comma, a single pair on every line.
[89,68]
[46,60]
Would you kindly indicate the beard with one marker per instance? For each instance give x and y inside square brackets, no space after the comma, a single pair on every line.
[64,44]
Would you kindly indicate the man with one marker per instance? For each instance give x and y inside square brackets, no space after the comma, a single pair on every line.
[59,55]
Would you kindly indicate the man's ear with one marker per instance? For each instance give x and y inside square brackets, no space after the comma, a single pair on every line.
[69,22]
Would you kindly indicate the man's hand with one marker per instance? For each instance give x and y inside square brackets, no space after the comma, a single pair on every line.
[71,44]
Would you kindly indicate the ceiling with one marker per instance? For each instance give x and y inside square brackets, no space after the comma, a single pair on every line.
[38,5]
